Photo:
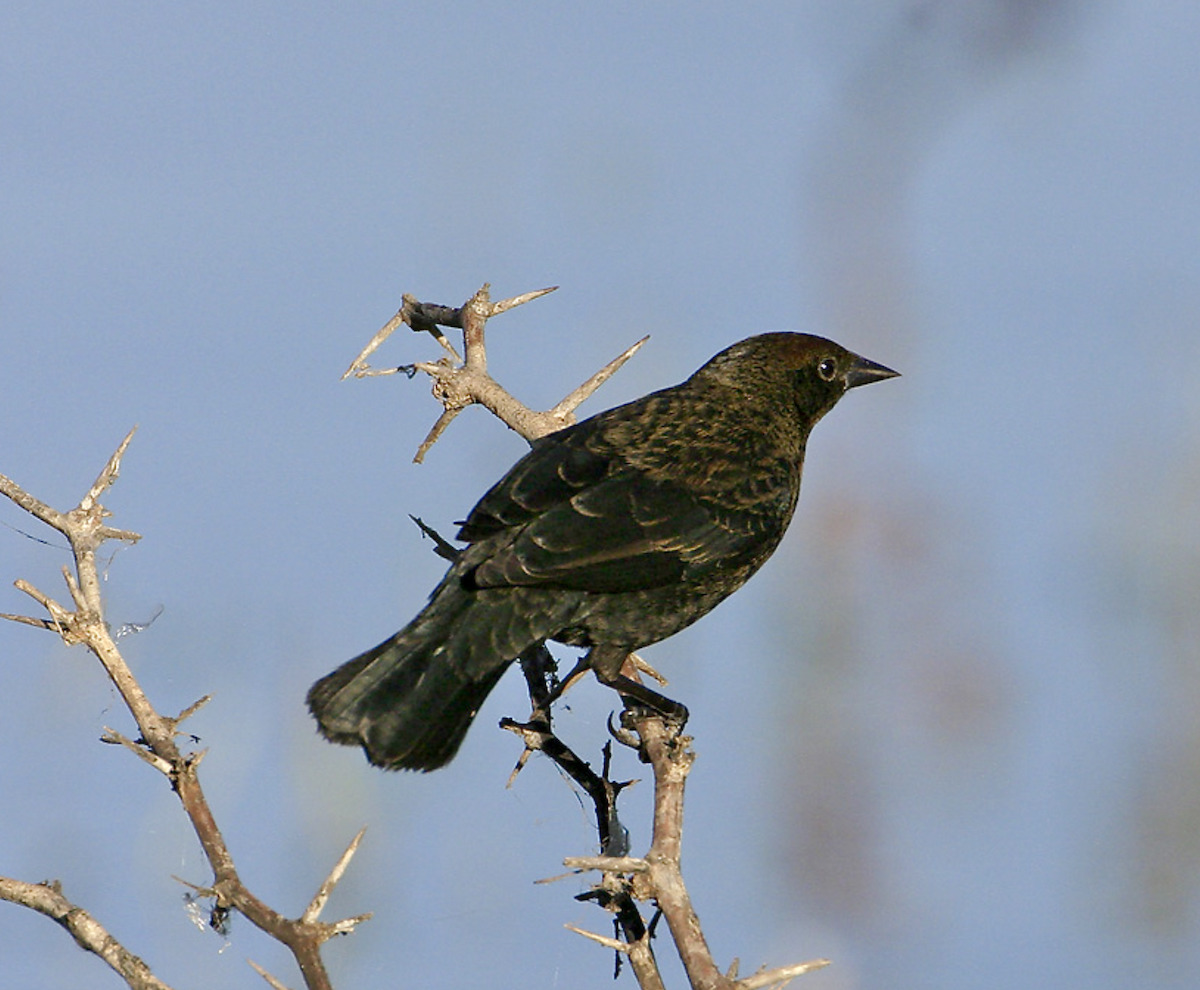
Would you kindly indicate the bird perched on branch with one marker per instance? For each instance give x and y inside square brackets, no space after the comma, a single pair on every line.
[611,534]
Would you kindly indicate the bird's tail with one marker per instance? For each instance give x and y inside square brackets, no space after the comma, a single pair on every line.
[406,702]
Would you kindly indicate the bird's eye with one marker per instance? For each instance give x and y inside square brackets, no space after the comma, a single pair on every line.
[827,369]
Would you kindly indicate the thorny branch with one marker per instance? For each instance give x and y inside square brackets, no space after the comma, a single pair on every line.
[658,876]
[86,930]
[459,382]
[84,622]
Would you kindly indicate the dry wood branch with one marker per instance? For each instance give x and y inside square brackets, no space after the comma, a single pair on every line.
[658,876]
[47,898]
[85,531]
[461,382]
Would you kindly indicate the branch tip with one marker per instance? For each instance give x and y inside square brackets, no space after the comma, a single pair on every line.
[29,620]
[780,976]
[607,864]
[113,737]
[321,898]
[506,304]
[609,943]
[274,983]
[577,396]
[191,709]
[109,474]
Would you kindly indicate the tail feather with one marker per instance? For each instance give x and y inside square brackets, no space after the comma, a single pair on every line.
[406,710]
[408,702]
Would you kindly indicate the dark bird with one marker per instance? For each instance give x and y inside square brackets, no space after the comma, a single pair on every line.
[611,534]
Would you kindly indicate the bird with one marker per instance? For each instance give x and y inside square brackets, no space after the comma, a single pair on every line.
[611,534]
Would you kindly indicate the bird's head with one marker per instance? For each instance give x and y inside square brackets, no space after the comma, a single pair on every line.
[810,371]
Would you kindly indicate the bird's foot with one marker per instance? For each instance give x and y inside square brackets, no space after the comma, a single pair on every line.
[637,717]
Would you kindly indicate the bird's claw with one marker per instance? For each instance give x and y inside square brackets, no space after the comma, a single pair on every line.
[623,734]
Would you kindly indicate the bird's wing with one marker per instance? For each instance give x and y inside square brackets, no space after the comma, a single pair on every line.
[556,468]
[575,519]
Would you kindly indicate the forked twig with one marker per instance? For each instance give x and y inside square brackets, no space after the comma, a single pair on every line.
[461,382]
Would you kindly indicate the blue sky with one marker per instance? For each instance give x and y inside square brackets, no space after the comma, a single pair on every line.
[946,737]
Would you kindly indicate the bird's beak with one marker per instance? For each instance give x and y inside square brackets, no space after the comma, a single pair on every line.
[863,372]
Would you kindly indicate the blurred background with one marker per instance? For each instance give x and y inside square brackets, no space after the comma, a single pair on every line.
[947,738]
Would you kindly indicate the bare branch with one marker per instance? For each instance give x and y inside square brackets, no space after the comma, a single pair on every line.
[436,431]
[441,546]
[642,667]
[28,620]
[48,899]
[624,881]
[60,618]
[607,864]
[85,531]
[191,709]
[35,507]
[658,876]
[460,382]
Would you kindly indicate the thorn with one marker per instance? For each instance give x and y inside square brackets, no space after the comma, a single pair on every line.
[780,976]
[29,620]
[359,365]
[108,475]
[347,925]
[607,864]
[275,984]
[441,546]
[191,709]
[506,304]
[578,395]
[143,753]
[314,909]
[609,943]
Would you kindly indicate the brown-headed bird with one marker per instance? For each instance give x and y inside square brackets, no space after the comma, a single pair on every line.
[611,534]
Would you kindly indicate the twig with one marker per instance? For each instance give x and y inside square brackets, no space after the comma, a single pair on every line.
[461,382]
[607,864]
[781,976]
[317,905]
[159,764]
[609,943]
[658,875]
[48,899]
[271,981]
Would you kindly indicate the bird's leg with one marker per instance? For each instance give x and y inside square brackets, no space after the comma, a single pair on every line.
[607,661]
[545,688]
